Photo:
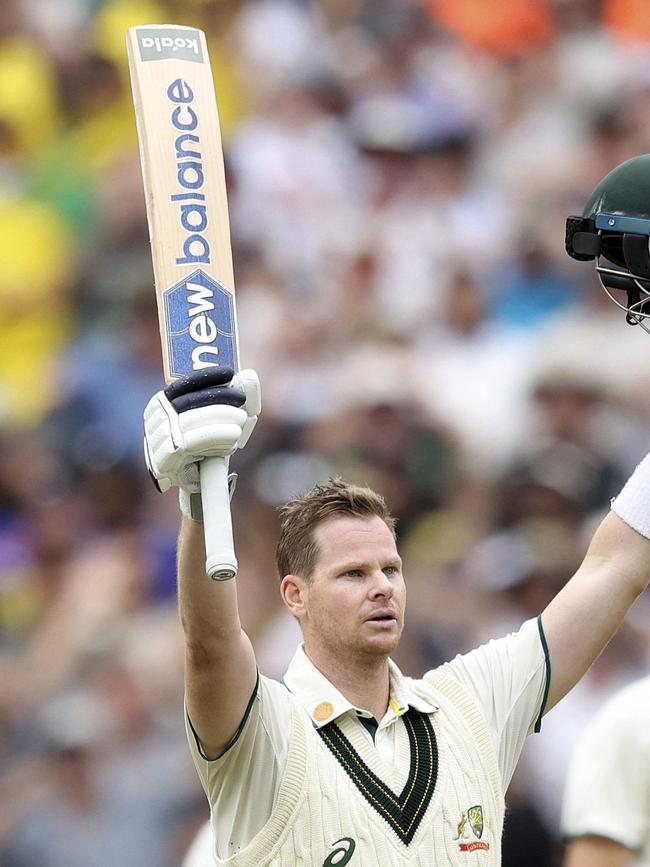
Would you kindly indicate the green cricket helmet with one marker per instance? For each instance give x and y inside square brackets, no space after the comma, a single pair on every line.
[614,230]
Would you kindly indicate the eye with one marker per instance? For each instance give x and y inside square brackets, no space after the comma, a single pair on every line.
[391,570]
[353,573]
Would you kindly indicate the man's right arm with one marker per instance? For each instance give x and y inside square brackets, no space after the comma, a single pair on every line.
[209,413]
[220,667]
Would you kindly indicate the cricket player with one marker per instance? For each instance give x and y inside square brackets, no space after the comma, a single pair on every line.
[606,809]
[348,760]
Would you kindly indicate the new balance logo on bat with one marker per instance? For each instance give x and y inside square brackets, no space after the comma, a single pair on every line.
[193,215]
[202,329]
[200,324]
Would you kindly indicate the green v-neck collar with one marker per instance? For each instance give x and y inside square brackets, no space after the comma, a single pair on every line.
[403,812]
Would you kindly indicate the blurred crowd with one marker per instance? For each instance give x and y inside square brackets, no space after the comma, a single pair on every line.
[399,173]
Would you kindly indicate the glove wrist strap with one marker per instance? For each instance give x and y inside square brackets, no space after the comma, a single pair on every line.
[190,505]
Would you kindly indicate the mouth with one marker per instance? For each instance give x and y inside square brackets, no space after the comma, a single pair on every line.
[383,619]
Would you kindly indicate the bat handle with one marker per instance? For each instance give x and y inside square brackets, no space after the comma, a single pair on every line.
[220,561]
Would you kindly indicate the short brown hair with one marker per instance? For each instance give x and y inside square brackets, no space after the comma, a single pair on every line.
[297,549]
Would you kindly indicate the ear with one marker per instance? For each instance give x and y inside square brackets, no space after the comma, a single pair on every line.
[292,590]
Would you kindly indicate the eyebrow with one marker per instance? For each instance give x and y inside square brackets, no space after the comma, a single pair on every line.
[347,565]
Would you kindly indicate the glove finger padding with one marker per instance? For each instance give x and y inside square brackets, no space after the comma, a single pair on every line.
[212,430]
[249,381]
[162,483]
[198,380]
[200,415]
[208,397]
[165,456]
[160,423]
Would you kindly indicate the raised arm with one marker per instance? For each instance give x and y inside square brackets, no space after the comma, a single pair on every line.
[220,668]
[208,414]
[586,613]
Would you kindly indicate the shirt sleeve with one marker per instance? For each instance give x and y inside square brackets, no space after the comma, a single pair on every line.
[607,786]
[509,678]
[242,783]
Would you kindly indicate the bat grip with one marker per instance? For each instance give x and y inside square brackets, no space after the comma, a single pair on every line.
[220,561]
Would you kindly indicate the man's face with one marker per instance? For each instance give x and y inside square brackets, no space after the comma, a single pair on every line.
[355,600]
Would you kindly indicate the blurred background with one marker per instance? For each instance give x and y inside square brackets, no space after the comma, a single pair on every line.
[399,174]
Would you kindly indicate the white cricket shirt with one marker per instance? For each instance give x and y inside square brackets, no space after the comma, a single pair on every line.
[507,680]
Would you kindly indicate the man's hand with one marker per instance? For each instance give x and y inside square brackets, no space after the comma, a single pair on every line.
[205,414]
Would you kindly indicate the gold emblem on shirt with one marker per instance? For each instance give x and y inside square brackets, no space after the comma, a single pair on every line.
[323,711]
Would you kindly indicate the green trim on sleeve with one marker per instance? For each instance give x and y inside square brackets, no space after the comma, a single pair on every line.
[233,740]
[547,684]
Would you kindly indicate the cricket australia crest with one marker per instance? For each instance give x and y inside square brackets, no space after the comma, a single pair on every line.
[475,818]
[469,830]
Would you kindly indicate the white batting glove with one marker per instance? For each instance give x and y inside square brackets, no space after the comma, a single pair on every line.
[205,414]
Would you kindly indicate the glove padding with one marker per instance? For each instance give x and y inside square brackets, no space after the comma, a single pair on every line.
[204,414]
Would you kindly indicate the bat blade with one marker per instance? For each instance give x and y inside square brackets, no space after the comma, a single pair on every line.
[185,191]
[184,181]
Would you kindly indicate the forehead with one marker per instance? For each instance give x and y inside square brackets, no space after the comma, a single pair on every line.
[346,537]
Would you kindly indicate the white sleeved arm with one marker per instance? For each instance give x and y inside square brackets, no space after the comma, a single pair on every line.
[509,678]
[242,784]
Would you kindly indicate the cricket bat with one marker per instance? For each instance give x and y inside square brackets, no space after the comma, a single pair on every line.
[187,211]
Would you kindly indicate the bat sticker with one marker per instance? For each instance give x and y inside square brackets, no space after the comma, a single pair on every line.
[200,320]
[166,43]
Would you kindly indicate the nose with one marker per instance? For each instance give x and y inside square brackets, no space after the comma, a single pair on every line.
[382,586]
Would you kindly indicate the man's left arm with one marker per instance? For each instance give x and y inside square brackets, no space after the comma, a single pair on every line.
[585,614]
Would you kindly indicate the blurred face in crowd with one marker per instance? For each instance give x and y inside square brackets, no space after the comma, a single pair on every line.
[352,604]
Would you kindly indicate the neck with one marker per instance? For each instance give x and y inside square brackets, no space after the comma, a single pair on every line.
[363,681]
